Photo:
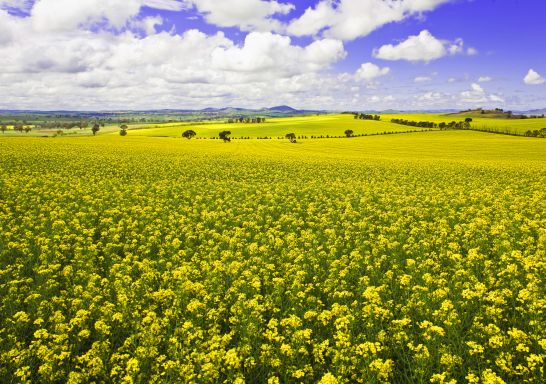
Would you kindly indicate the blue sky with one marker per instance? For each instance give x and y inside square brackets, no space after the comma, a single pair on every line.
[331,54]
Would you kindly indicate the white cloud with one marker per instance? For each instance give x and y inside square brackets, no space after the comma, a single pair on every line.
[432,97]
[471,51]
[533,78]
[484,79]
[248,15]
[496,98]
[477,94]
[9,27]
[80,68]
[422,79]
[268,52]
[423,47]
[369,72]
[66,15]
[350,19]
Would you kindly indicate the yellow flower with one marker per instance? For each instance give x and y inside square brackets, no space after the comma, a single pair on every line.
[328,379]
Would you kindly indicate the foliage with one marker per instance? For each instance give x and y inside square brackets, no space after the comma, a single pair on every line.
[536,133]
[188,134]
[422,124]
[364,116]
[224,135]
[291,137]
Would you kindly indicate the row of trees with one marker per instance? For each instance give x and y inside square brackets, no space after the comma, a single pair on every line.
[363,116]
[430,124]
[225,135]
[536,133]
[64,125]
[247,120]
[456,124]
[17,127]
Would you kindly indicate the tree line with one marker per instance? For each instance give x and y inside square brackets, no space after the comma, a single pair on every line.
[292,137]
[430,124]
[247,120]
[536,133]
[363,116]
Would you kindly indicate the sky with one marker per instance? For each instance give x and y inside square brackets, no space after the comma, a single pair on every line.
[313,54]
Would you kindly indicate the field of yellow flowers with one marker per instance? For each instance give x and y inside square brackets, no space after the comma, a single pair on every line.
[407,259]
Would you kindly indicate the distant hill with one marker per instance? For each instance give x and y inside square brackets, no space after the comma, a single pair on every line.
[283,108]
[535,112]
[485,113]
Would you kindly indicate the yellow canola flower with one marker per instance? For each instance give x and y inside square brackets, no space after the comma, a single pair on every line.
[328,378]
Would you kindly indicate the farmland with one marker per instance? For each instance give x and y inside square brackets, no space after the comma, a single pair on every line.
[410,258]
[332,125]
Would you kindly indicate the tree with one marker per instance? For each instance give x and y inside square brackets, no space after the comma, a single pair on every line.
[123,130]
[95,129]
[189,134]
[349,132]
[224,135]
[291,137]
[468,120]
[3,128]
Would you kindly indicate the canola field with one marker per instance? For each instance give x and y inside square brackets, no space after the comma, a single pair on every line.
[333,125]
[417,258]
[323,125]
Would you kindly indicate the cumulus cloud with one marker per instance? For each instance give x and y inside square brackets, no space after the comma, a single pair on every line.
[98,60]
[423,47]
[247,15]
[350,19]
[369,72]
[264,52]
[484,79]
[67,15]
[477,94]
[432,97]
[533,78]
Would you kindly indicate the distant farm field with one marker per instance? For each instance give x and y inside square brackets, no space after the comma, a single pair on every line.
[410,258]
[331,125]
